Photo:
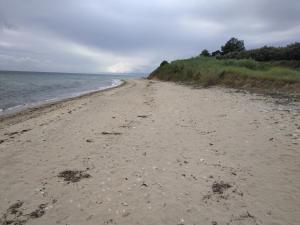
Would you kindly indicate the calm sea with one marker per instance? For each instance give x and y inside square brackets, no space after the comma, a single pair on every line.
[24,89]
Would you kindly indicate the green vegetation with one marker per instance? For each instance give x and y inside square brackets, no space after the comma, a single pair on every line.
[267,68]
[233,45]
[290,52]
[235,49]
[205,52]
[207,71]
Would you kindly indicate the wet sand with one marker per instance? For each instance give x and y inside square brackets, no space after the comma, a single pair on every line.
[153,152]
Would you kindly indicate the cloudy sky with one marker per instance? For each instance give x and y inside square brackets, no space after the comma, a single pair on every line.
[134,35]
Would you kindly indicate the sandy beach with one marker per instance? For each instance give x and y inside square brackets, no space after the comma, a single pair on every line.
[152,152]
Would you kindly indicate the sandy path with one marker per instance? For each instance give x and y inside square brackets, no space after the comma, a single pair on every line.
[167,150]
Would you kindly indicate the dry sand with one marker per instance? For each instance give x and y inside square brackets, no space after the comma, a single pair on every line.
[152,152]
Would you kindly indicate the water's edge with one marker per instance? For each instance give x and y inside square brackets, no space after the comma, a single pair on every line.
[27,109]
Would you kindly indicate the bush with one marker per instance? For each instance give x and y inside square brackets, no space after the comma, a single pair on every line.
[233,45]
[205,52]
[290,52]
[216,53]
[164,63]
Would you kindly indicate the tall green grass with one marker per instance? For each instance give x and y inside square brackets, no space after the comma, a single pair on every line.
[208,71]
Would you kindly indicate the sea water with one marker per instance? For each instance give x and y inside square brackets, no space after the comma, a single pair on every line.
[19,90]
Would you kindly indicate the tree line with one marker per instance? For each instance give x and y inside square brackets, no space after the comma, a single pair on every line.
[235,49]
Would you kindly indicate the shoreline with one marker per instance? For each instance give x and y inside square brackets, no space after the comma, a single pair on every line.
[46,106]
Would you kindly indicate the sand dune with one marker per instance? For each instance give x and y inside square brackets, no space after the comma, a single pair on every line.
[153,152]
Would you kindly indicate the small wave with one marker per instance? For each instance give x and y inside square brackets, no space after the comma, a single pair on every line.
[15,107]
[51,100]
[116,82]
[12,109]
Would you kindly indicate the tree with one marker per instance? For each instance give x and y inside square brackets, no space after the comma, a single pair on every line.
[164,63]
[216,53]
[205,52]
[233,45]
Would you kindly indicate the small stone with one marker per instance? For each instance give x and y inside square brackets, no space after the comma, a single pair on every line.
[144,185]
[125,214]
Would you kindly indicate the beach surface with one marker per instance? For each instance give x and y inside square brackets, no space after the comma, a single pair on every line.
[152,152]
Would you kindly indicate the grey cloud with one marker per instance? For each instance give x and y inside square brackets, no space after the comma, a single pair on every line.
[135,35]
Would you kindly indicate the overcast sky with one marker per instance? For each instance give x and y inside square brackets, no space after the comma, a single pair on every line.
[134,35]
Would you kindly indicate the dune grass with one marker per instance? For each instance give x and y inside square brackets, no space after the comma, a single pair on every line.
[207,71]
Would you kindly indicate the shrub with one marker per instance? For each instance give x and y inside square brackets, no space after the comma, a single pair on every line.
[216,53]
[233,45]
[164,63]
[205,52]
[266,53]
